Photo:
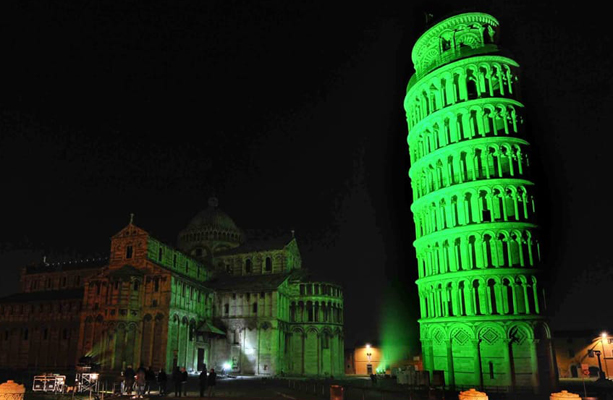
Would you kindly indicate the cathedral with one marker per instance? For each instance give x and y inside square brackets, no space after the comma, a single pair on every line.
[222,298]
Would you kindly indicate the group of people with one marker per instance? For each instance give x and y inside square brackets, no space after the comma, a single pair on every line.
[207,381]
[144,378]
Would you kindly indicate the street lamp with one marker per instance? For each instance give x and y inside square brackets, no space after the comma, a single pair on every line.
[603,337]
[597,352]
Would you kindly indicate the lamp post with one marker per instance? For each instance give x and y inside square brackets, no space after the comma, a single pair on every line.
[597,352]
[603,337]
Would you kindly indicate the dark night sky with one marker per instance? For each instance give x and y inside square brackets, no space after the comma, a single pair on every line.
[290,112]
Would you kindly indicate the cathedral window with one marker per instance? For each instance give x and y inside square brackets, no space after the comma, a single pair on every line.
[156,285]
[135,285]
[199,252]
[325,341]
[129,251]
[63,281]
[160,254]
[154,303]
[255,308]
[261,295]
[268,266]
[226,308]
[248,266]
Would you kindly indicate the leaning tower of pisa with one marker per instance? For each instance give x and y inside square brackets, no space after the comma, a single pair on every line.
[477,246]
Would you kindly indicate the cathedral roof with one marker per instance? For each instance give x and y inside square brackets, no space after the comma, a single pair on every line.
[261,240]
[44,295]
[212,218]
[252,283]
[67,265]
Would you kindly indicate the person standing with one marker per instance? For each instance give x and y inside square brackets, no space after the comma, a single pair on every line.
[162,380]
[176,380]
[211,381]
[128,379]
[184,380]
[202,381]
[140,381]
[149,379]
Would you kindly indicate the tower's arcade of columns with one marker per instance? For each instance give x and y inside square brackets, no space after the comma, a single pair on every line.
[477,238]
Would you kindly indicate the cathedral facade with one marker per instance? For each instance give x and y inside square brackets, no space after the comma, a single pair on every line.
[477,239]
[221,298]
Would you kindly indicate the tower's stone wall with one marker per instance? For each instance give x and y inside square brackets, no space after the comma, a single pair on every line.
[477,238]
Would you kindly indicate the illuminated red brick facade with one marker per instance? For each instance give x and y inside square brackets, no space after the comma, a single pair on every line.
[218,300]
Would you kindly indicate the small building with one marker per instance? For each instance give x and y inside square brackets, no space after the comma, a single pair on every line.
[363,360]
[371,357]
[583,350]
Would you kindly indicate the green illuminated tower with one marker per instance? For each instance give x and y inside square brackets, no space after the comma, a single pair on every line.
[481,299]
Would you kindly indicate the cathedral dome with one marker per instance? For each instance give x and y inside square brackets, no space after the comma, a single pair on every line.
[212,218]
[210,231]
